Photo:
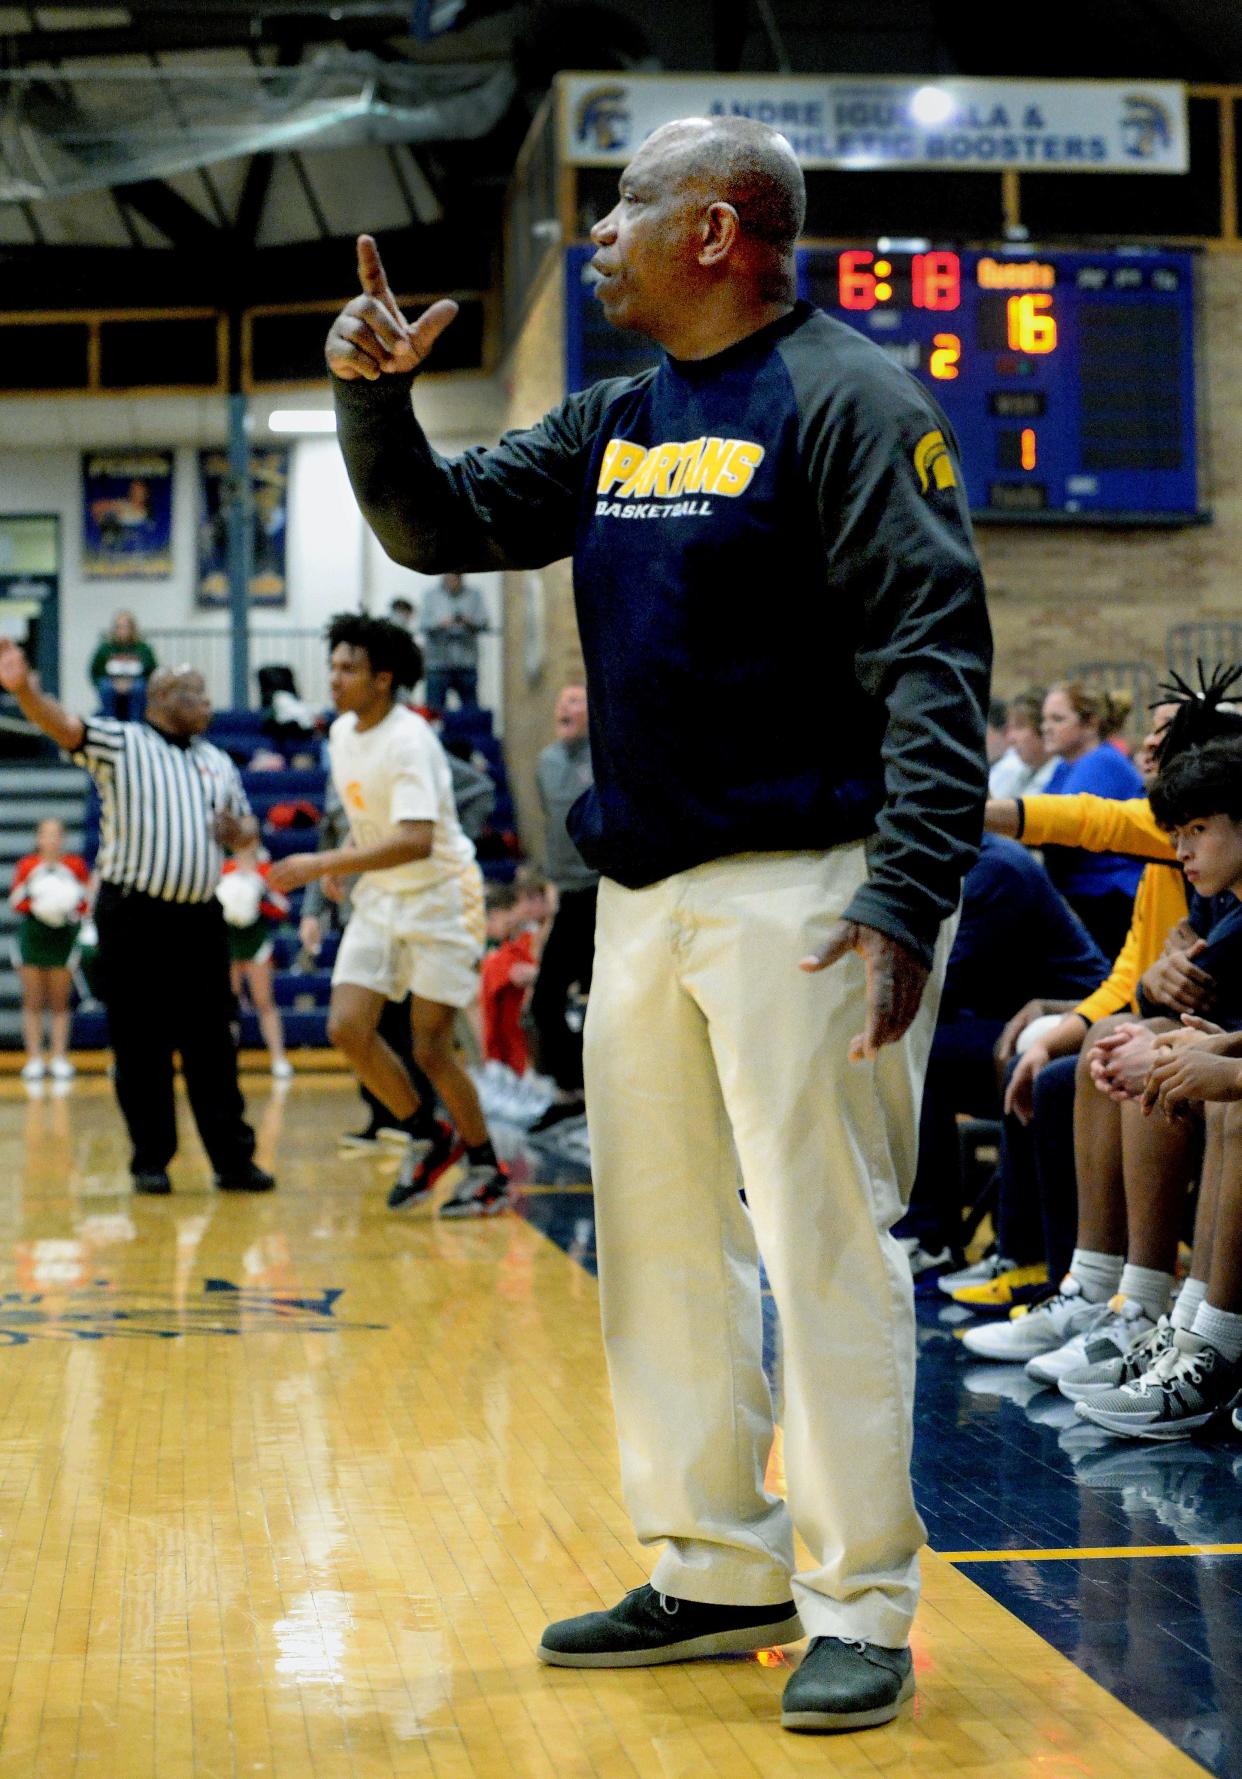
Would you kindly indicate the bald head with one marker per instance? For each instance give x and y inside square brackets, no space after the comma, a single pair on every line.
[734,160]
[698,250]
[177,701]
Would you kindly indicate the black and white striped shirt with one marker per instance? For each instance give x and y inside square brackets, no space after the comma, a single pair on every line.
[159,799]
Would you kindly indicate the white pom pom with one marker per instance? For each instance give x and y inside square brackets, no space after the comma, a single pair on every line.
[54,897]
[239,894]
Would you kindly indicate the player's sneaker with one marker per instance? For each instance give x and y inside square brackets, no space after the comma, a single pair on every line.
[926,1268]
[62,1069]
[35,1069]
[360,1142]
[1188,1387]
[483,1191]
[1041,1329]
[1106,1368]
[977,1273]
[1126,1323]
[422,1165]
[1004,1289]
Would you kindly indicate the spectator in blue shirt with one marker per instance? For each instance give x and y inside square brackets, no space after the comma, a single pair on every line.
[1099,886]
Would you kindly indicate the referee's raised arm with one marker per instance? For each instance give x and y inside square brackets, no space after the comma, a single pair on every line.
[36,705]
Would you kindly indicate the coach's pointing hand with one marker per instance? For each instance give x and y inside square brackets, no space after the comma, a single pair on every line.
[370,338]
[895,983]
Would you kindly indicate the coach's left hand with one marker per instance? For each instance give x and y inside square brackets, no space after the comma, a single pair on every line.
[895,983]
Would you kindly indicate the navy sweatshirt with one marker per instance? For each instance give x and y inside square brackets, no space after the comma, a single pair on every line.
[800,461]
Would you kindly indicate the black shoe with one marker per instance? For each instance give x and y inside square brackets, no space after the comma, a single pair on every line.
[483,1192]
[155,1184]
[423,1164]
[558,1113]
[252,1179]
[647,1628]
[844,1685]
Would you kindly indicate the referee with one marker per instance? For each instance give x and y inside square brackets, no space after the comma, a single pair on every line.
[171,804]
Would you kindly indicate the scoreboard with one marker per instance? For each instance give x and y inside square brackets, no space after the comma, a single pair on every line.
[1068,377]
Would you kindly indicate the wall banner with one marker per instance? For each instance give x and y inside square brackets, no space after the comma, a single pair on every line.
[269,479]
[1044,126]
[127,515]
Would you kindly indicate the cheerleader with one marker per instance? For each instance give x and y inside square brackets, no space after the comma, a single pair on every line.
[50,893]
[252,907]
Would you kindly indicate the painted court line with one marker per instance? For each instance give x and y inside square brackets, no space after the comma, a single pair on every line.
[1093,1552]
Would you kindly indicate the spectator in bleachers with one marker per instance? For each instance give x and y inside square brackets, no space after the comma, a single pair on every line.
[401,613]
[252,909]
[50,893]
[1077,724]
[563,775]
[1025,766]
[994,734]
[505,978]
[120,668]
[454,616]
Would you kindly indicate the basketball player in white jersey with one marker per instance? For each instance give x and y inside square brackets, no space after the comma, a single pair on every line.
[417,920]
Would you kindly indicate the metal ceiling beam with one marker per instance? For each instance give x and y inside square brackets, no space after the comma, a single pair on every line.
[173,215]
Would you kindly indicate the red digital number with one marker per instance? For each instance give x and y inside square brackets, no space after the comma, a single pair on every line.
[936,281]
[856,284]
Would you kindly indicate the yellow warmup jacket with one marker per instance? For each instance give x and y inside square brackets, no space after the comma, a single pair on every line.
[1105,824]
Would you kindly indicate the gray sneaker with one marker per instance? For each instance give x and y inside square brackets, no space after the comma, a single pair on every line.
[841,1684]
[1105,1369]
[1187,1388]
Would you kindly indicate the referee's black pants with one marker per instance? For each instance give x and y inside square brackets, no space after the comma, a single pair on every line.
[164,978]
[568,957]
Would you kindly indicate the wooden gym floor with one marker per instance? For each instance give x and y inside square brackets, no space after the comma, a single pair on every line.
[290,1485]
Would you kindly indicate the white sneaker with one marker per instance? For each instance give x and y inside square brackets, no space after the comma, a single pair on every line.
[282,1069]
[1126,1323]
[35,1069]
[1041,1329]
[62,1069]
[978,1273]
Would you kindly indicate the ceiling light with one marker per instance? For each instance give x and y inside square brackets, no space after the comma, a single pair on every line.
[303,420]
[931,105]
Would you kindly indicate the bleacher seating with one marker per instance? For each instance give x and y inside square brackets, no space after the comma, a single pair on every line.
[303,997]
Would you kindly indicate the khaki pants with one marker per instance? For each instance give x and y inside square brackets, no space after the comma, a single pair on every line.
[712,1061]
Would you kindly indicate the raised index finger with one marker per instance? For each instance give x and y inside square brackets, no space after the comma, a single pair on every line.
[372,277]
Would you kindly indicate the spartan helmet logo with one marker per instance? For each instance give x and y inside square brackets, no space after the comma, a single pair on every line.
[1145,128]
[932,462]
[602,121]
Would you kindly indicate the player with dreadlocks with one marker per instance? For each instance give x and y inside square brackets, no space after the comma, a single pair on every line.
[1092,1066]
